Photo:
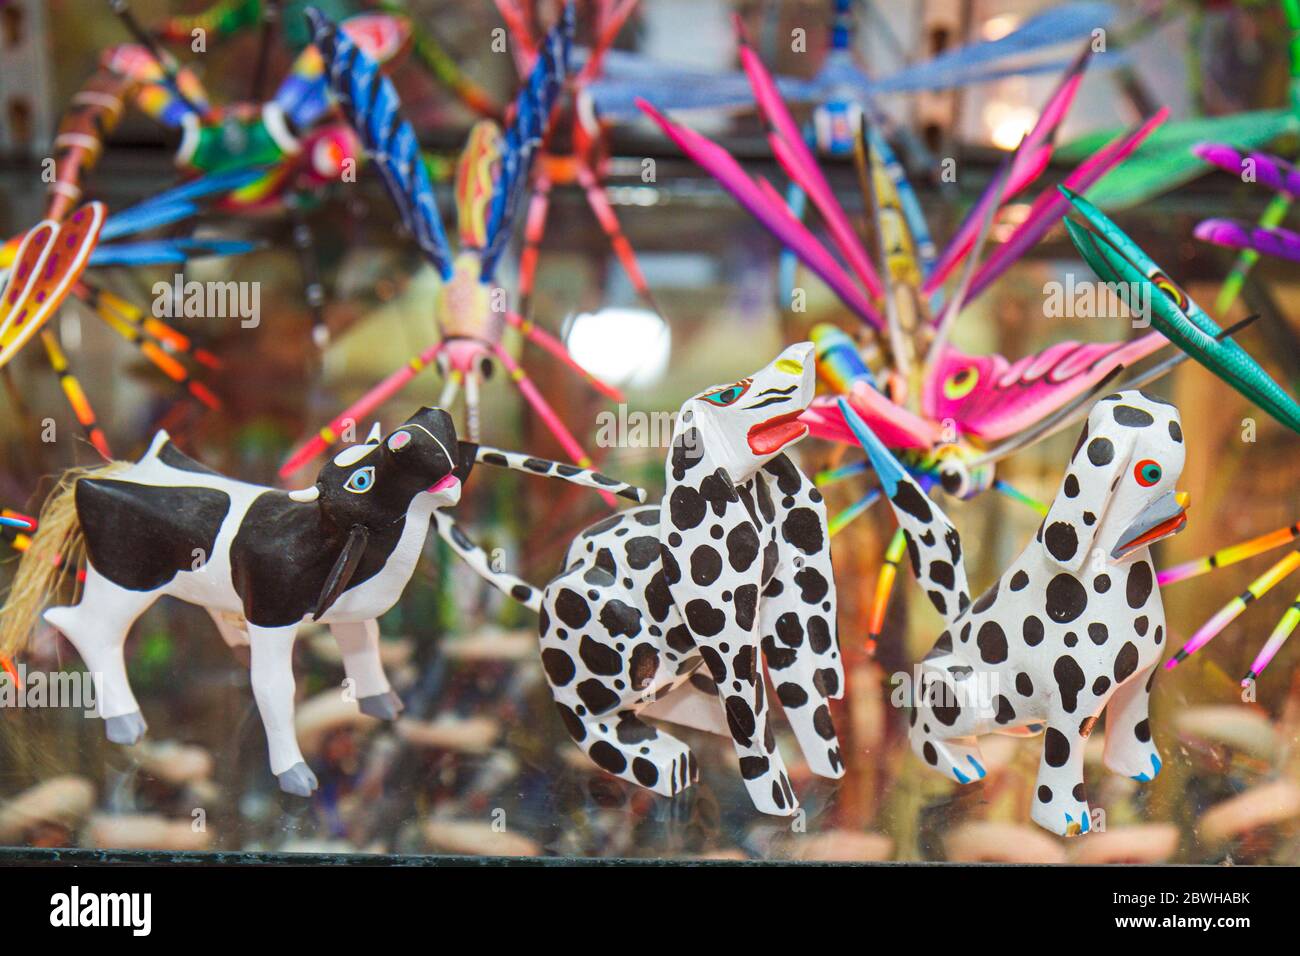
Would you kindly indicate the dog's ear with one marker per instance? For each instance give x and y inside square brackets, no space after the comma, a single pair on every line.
[703,516]
[1100,458]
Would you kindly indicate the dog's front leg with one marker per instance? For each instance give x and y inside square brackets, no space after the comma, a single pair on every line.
[1061,800]
[1129,747]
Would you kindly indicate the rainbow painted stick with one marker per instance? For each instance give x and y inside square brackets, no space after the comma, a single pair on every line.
[1284,629]
[1230,611]
[1229,555]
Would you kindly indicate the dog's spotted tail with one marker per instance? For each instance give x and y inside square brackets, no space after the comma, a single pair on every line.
[932,542]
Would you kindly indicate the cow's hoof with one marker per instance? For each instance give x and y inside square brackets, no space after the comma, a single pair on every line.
[298,780]
[126,729]
[385,706]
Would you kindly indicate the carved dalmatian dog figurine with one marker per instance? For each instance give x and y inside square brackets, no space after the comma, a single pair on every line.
[263,561]
[1074,626]
[730,571]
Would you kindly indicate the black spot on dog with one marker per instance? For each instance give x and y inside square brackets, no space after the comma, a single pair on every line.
[600,658]
[742,547]
[631,730]
[813,587]
[910,500]
[644,663]
[1140,624]
[1056,748]
[571,608]
[706,565]
[642,552]
[1175,432]
[1139,585]
[765,506]
[746,605]
[819,634]
[718,491]
[1070,680]
[751,768]
[939,601]
[826,681]
[1142,731]
[777,657]
[790,629]
[1131,417]
[1126,662]
[679,638]
[822,723]
[1066,599]
[1062,540]
[704,619]
[992,641]
[1032,631]
[558,666]
[620,618]
[788,477]
[607,757]
[1044,794]
[1024,686]
[1100,685]
[1005,712]
[791,695]
[646,773]
[572,723]
[688,451]
[740,719]
[941,573]
[802,528]
[596,696]
[686,508]
[928,752]
[658,598]
[1101,451]
[1098,633]
[1071,486]
[1101,583]
[1019,581]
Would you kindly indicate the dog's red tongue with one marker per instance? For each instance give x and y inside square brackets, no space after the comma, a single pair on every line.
[771,436]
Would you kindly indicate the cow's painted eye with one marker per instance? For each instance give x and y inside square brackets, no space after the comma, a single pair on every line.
[1147,472]
[728,395]
[961,383]
[361,480]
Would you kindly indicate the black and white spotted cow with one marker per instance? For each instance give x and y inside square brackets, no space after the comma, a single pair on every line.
[263,561]
[1074,626]
[730,571]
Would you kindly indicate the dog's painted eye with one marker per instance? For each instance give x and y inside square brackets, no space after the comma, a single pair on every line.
[961,383]
[1147,472]
[361,480]
[728,395]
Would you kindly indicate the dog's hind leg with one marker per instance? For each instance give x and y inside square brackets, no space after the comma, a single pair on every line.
[97,626]
[944,723]
[628,747]
[1129,747]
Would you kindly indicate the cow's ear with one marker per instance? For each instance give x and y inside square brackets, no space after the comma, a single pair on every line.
[343,569]
[466,453]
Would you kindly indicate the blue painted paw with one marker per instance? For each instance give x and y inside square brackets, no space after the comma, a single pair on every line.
[1155,770]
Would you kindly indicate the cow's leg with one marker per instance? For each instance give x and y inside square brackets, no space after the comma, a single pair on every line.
[1129,747]
[1061,799]
[271,672]
[97,627]
[359,644]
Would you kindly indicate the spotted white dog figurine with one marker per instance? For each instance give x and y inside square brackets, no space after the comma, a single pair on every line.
[262,561]
[1073,626]
[732,569]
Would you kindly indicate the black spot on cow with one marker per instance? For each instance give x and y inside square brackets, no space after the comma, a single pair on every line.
[1062,540]
[1066,599]
[1140,581]
[1070,680]
[572,608]
[558,666]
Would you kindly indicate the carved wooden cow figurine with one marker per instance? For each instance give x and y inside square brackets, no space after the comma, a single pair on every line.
[263,561]
[730,570]
[1074,626]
